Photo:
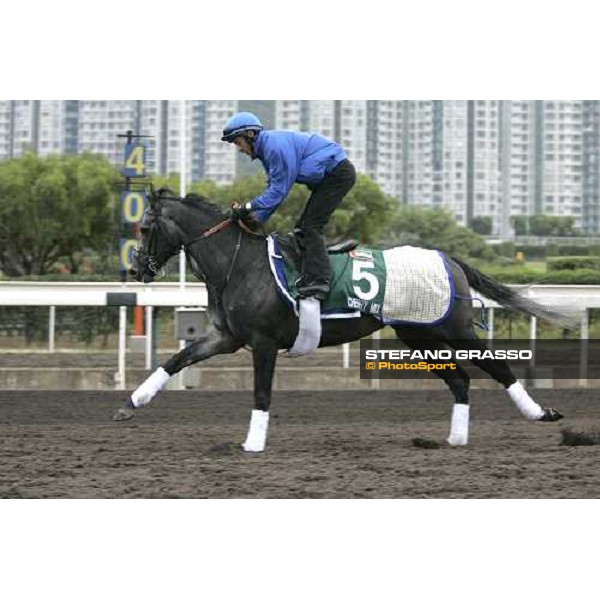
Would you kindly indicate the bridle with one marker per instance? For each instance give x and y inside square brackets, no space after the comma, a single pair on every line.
[147,256]
[151,263]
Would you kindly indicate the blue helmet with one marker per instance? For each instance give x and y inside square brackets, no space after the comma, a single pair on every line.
[240,122]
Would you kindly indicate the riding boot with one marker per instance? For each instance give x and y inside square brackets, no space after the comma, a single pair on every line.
[316,273]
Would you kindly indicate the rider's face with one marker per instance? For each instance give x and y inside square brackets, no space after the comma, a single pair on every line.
[243,145]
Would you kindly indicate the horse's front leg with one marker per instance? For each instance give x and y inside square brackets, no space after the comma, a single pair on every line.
[207,345]
[264,354]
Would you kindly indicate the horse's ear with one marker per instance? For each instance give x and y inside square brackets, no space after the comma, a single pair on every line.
[165,192]
[194,196]
[152,194]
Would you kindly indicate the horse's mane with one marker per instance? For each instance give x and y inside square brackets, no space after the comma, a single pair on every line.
[192,199]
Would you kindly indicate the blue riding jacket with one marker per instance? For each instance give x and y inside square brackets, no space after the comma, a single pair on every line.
[291,157]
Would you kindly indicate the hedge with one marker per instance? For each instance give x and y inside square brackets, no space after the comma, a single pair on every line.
[524,275]
[571,263]
[550,249]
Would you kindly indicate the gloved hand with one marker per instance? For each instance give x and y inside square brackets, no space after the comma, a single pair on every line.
[239,212]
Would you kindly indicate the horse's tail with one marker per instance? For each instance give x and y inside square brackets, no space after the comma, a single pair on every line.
[509,298]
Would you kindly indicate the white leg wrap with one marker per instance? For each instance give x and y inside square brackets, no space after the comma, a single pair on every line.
[459,425]
[257,433]
[309,333]
[150,387]
[525,403]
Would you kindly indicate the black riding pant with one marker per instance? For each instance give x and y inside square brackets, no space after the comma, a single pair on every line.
[316,274]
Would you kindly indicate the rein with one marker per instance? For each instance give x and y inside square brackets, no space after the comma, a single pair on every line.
[236,251]
[205,235]
[209,232]
[218,228]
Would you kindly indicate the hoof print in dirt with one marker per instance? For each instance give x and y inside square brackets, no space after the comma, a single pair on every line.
[123,414]
[425,443]
[223,450]
[579,438]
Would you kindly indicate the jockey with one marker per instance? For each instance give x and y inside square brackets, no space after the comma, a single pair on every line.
[296,157]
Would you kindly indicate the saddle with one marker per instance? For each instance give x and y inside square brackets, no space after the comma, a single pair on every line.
[401,285]
[292,253]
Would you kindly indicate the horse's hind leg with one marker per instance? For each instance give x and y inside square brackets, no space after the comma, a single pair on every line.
[456,379]
[499,370]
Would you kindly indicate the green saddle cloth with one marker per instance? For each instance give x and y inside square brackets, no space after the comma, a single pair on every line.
[357,282]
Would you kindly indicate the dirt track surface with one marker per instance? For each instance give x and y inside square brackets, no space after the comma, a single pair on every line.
[321,445]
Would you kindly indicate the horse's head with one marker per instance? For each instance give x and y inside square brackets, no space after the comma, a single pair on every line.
[168,224]
[159,238]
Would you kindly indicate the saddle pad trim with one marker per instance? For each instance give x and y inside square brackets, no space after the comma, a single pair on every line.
[276,263]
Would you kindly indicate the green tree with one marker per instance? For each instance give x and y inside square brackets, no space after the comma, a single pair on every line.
[542,225]
[521,224]
[552,225]
[545,225]
[363,214]
[52,209]
[565,226]
[482,225]
[206,188]
[435,228]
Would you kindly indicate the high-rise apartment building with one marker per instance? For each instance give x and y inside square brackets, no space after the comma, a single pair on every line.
[367,130]
[41,126]
[519,141]
[563,159]
[220,158]
[417,174]
[451,156]
[6,129]
[161,119]
[474,158]
[292,114]
[384,145]
[100,121]
[501,158]
[483,161]
[590,168]
[71,126]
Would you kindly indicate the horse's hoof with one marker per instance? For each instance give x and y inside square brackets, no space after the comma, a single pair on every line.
[126,412]
[249,451]
[550,415]
[457,440]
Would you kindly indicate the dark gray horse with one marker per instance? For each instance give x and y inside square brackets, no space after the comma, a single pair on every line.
[246,310]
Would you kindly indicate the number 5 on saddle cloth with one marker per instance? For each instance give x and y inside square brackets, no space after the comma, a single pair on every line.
[402,285]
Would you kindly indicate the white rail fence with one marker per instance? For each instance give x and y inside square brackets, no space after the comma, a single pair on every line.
[53,294]
[571,298]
